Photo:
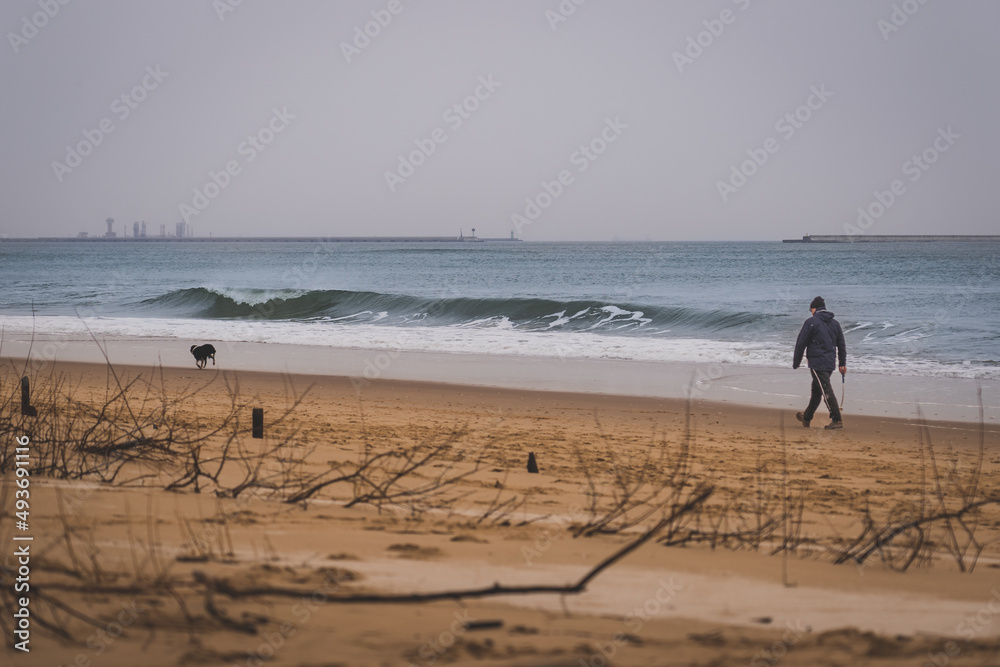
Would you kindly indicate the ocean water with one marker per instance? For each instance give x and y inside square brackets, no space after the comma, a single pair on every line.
[925,309]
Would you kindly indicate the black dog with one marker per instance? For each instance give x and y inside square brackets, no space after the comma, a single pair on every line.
[202,353]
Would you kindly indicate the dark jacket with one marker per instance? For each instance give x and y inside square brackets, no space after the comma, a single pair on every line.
[822,339]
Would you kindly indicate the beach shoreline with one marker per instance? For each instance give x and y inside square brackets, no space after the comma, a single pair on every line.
[867,394]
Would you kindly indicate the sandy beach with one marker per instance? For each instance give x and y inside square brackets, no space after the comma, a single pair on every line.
[249,559]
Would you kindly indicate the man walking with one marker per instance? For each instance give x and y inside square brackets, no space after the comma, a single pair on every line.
[822,340]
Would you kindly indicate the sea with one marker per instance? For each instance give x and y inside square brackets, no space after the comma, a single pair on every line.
[917,309]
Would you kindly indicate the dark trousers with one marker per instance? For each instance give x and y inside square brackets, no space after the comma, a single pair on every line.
[821,385]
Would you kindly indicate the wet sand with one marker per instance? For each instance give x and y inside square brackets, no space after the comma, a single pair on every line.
[940,398]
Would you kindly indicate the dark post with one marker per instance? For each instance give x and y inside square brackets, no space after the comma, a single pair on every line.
[258,422]
[26,407]
[532,464]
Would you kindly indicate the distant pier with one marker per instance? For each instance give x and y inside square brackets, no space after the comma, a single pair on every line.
[892,238]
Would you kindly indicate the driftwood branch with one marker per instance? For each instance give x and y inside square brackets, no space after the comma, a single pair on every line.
[889,533]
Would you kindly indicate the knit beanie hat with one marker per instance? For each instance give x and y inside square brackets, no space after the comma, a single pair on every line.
[818,303]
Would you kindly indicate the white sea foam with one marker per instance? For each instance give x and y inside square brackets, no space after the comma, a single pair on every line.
[614,312]
[490,336]
[255,297]
[560,319]
[351,317]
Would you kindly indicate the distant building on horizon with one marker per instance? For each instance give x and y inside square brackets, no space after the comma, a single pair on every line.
[135,229]
[111,232]
[182,229]
[142,233]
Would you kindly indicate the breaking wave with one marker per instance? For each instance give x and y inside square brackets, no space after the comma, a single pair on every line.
[531,314]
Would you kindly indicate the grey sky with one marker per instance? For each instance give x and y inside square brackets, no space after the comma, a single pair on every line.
[671,133]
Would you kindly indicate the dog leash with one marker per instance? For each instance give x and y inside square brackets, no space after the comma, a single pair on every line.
[843,389]
[821,390]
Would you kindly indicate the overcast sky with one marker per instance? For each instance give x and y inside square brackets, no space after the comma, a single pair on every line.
[647,111]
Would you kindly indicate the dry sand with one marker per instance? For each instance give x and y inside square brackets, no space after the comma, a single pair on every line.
[132,577]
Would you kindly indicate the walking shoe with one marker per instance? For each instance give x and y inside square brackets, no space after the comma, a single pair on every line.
[834,425]
[802,418]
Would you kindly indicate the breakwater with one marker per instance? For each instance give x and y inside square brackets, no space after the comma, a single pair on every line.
[891,238]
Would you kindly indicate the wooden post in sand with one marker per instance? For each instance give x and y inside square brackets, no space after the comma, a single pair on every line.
[258,422]
[26,407]
[532,464]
